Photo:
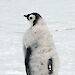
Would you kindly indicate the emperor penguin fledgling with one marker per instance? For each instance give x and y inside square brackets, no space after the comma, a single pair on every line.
[40,53]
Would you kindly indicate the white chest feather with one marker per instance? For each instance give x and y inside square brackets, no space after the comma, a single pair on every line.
[39,35]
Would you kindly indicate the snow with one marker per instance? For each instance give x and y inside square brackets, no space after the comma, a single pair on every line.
[60,18]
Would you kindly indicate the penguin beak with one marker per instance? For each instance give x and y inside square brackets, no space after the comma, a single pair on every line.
[25,15]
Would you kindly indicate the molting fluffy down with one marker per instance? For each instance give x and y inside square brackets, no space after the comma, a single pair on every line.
[40,54]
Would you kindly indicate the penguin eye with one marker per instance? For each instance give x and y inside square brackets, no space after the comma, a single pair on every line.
[30,17]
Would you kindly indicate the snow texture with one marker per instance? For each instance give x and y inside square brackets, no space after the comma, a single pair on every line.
[60,18]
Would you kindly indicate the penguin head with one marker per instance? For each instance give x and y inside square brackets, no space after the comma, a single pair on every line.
[33,18]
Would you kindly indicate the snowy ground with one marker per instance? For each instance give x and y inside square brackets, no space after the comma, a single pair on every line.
[60,18]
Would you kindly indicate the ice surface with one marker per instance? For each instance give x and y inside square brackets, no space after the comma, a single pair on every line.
[60,18]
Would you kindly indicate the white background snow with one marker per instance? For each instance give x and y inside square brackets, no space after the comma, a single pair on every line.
[60,18]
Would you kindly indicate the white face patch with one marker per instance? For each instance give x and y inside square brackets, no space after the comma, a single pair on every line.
[31,18]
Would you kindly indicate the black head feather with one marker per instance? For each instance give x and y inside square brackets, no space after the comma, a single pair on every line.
[37,16]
